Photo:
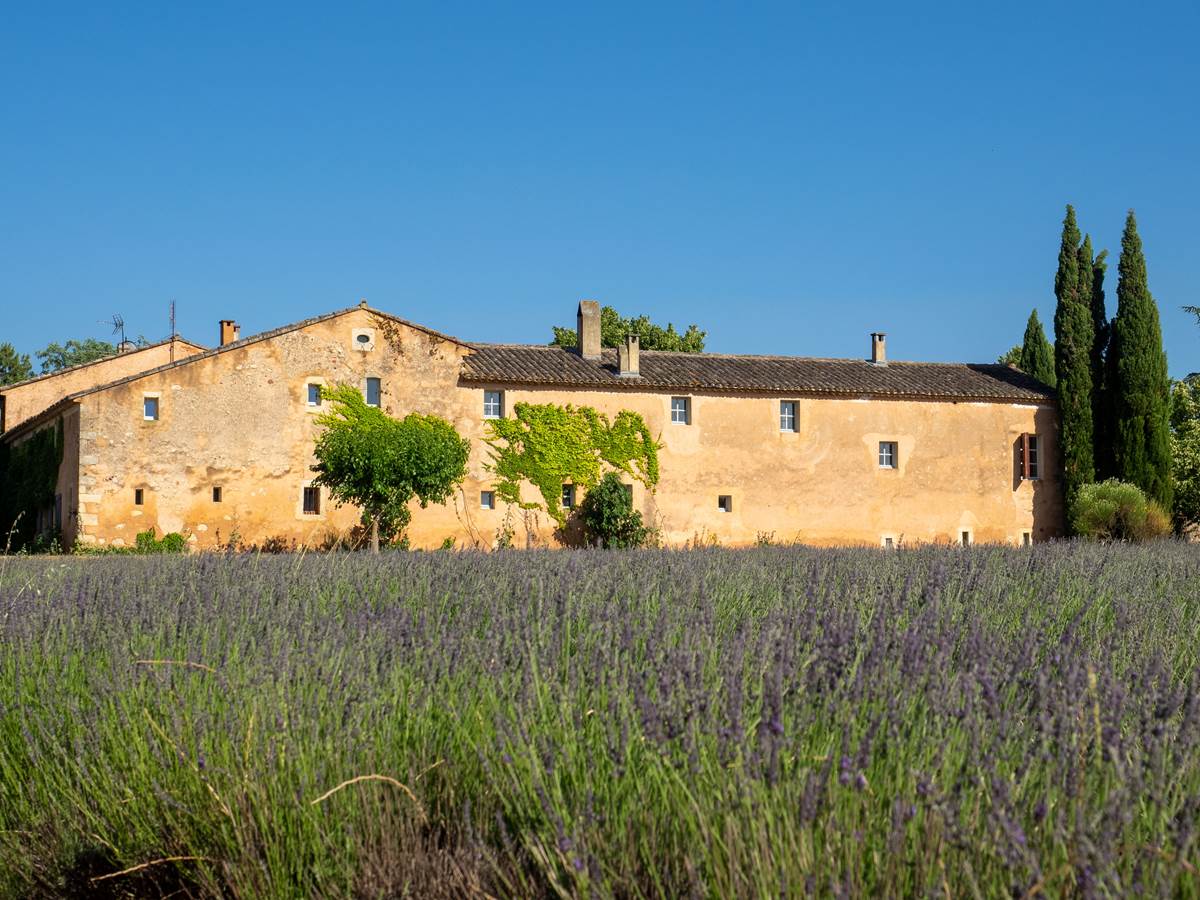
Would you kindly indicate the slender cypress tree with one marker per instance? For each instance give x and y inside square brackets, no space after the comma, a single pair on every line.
[1102,412]
[1072,361]
[1141,389]
[1037,355]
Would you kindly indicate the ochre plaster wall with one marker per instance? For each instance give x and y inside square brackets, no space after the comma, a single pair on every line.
[25,400]
[239,420]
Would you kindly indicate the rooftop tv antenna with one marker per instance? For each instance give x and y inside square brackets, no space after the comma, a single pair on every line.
[118,325]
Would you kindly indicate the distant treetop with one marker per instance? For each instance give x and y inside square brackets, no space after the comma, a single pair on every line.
[613,328]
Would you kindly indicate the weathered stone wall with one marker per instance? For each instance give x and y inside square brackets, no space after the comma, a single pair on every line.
[27,399]
[239,420]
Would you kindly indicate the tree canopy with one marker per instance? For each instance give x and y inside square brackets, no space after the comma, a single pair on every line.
[369,459]
[1185,451]
[614,328]
[14,366]
[73,353]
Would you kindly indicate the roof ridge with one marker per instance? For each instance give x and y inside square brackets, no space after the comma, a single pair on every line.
[100,359]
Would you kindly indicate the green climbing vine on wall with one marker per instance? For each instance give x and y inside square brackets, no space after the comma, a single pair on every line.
[28,477]
[549,446]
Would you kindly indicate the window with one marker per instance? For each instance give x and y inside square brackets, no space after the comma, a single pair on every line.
[1027,456]
[312,501]
[150,408]
[487,499]
[362,339]
[787,415]
[887,454]
[681,410]
[628,491]
[371,395]
[1026,538]
[493,404]
[889,543]
[568,496]
[966,539]
[314,394]
[216,494]
[139,496]
[725,503]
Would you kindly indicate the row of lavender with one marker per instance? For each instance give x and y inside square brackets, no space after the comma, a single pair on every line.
[707,723]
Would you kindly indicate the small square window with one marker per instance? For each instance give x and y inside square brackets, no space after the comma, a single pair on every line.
[887,455]
[312,501]
[139,496]
[487,499]
[568,496]
[314,394]
[493,404]
[371,395]
[150,408]
[681,410]
[216,494]
[725,503]
[787,415]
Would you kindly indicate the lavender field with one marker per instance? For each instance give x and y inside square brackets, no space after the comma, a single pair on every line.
[716,723]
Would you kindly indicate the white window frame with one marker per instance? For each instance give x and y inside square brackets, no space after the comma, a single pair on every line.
[686,405]
[569,496]
[157,398]
[893,455]
[367,391]
[308,394]
[493,410]
[359,345]
[789,414]
[487,499]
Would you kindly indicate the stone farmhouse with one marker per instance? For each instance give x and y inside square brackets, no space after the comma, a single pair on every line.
[217,444]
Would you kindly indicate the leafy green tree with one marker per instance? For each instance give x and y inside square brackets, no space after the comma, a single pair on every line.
[1117,511]
[608,516]
[14,366]
[73,353]
[613,329]
[1141,387]
[1037,354]
[367,458]
[1011,357]
[1072,359]
[1185,451]
[1102,411]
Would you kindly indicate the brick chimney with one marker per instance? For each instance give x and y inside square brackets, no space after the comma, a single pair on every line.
[588,329]
[878,348]
[627,357]
[229,332]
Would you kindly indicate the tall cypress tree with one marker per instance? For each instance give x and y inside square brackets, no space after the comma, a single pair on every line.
[1141,389]
[1102,411]
[1072,361]
[1037,355]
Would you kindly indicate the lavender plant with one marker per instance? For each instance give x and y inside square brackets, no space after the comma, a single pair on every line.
[775,721]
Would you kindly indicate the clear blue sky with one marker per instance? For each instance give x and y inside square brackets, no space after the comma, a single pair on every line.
[788,176]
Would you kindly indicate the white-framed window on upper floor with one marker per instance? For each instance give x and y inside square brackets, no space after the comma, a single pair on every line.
[787,415]
[493,404]
[150,408]
[372,391]
[889,457]
[681,410]
[312,393]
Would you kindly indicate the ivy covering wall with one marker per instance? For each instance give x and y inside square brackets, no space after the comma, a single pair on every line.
[549,445]
[28,478]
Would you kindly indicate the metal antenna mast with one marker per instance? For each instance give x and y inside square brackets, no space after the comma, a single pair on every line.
[172,331]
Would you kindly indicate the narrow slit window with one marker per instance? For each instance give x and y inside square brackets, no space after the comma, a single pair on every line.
[493,404]
[139,496]
[373,391]
[725,503]
[312,501]
[966,539]
[787,415]
[887,455]
[1026,539]
[150,408]
[681,410]
[216,494]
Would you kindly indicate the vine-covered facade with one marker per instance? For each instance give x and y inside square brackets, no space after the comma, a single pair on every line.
[218,446]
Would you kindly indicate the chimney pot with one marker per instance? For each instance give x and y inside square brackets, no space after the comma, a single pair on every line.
[627,357]
[588,329]
[230,332]
[878,348]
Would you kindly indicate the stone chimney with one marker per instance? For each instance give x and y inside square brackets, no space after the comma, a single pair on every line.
[229,332]
[627,357]
[878,348]
[588,329]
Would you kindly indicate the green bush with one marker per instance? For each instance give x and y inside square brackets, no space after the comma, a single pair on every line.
[174,542]
[1117,511]
[608,516]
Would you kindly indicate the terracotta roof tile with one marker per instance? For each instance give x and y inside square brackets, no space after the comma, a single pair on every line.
[660,370]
